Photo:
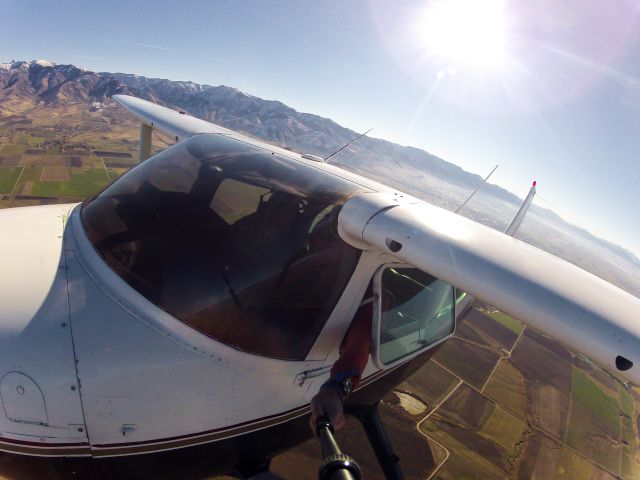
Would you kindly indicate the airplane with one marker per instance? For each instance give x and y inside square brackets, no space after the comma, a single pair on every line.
[178,323]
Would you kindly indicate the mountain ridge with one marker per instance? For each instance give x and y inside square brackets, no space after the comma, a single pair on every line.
[44,84]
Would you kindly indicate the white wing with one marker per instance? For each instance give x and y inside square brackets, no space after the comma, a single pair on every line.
[181,126]
[572,305]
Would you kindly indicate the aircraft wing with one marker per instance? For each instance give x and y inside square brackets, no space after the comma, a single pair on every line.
[181,126]
[544,291]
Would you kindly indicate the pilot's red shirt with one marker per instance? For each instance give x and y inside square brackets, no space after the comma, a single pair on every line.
[356,346]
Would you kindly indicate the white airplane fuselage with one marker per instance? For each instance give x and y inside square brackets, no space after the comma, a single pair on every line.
[90,368]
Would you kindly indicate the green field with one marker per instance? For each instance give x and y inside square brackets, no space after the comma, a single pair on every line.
[504,429]
[594,427]
[35,141]
[29,174]
[507,387]
[626,400]
[511,323]
[13,149]
[81,185]
[586,392]
[116,172]
[8,178]
[628,467]
[573,467]
[589,439]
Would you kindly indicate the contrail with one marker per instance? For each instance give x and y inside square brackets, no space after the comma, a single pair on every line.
[606,70]
[143,45]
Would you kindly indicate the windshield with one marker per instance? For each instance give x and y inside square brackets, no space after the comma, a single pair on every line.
[240,244]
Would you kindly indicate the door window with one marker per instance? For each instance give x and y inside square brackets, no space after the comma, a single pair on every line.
[415,311]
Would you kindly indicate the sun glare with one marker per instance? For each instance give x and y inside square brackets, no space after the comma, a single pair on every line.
[464,33]
[509,55]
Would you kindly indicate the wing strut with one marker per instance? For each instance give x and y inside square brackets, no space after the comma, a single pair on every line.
[345,146]
[476,190]
[465,303]
[145,141]
[370,420]
[511,230]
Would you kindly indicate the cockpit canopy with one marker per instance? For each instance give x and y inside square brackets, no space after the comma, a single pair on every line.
[239,243]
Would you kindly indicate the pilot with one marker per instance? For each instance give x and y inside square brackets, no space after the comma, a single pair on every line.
[347,371]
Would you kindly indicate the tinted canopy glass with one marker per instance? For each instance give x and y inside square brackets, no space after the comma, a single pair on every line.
[236,242]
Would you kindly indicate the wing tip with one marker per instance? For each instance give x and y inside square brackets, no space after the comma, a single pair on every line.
[120,98]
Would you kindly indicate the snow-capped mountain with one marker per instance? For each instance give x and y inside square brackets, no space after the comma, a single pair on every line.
[43,84]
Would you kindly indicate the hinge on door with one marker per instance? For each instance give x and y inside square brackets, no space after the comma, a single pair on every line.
[316,372]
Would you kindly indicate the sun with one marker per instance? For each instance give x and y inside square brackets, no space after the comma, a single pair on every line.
[464,33]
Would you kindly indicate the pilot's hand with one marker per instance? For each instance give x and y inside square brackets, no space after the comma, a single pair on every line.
[327,403]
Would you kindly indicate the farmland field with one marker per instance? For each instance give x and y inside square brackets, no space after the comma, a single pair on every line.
[511,323]
[504,428]
[8,178]
[507,387]
[81,184]
[430,384]
[541,415]
[12,149]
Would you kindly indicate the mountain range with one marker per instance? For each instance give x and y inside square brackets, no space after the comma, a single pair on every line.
[25,86]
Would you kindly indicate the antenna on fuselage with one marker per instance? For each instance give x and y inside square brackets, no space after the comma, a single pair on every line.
[476,190]
[342,148]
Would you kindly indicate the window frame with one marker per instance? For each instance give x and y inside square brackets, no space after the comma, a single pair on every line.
[377,320]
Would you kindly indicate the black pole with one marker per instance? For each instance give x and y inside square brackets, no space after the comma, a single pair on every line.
[335,464]
[374,428]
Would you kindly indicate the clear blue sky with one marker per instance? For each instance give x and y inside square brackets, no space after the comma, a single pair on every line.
[549,90]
